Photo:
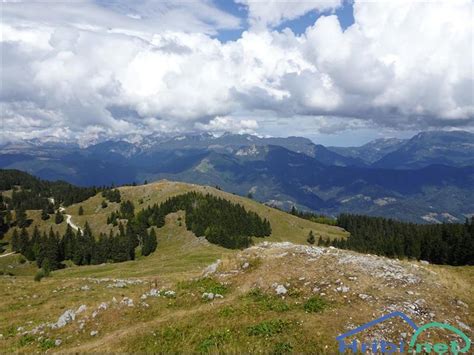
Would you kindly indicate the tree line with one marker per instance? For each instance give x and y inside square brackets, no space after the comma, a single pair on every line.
[448,243]
[218,220]
[49,250]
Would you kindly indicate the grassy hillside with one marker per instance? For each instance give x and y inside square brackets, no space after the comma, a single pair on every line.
[285,227]
[250,317]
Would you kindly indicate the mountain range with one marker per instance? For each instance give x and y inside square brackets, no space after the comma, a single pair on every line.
[428,178]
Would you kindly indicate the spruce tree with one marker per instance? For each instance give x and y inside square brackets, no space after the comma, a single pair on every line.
[311,238]
[44,214]
[15,241]
[58,218]
[21,218]
[81,211]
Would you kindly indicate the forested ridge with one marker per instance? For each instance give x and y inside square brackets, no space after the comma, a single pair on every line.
[35,193]
[448,243]
[218,220]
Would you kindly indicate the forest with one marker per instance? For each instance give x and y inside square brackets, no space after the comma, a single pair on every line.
[81,247]
[448,243]
[218,220]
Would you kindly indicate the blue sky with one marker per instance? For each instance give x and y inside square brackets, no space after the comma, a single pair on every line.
[298,26]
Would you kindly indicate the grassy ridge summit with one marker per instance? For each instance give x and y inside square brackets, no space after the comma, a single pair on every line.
[193,296]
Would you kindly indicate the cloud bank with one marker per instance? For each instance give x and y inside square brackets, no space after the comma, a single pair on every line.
[89,69]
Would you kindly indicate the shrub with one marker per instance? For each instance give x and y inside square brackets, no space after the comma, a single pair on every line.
[213,340]
[315,304]
[44,272]
[269,302]
[268,328]
[205,284]
[282,348]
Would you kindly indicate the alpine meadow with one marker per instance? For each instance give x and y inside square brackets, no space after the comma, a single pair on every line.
[241,176]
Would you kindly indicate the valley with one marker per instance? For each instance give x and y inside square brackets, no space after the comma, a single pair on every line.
[430,174]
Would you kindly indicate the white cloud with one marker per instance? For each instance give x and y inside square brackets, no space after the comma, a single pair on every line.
[273,12]
[229,124]
[400,65]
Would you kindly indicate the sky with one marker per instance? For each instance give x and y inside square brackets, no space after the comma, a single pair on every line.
[339,72]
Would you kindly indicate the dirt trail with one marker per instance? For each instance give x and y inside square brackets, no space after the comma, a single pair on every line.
[71,223]
[109,342]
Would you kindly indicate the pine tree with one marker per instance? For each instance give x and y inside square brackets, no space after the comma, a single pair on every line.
[15,241]
[311,238]
[69,243]
[81,211]
[44,214]
[21,218]
[35,243]
[149,242]
[24,241]
[58,218]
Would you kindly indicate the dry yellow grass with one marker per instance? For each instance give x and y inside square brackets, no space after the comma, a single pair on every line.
[188,323]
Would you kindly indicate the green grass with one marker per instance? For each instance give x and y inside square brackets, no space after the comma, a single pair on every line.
[268,328]
[315,304]
[249,319]
[202,285]
[268,302]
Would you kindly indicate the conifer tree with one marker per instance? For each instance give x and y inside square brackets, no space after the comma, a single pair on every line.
[81,211]
[311,238]
[44,214]
[15,241]
[58,218]
[21,218]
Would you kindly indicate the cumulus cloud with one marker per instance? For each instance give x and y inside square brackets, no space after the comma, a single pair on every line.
[271,13]
[229,124]
[118,70]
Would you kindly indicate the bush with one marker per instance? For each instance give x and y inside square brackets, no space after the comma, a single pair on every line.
[206,284]
[315,304]
[39,275]
[268,328]
[282,348]
[44,272]
[268,302]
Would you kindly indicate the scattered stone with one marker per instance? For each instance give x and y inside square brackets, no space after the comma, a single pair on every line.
[170,294]
[94,333]
[85,288]
[103,306]
[94,314]
[410,292]
[58,342]
[127,301]
[463,325]
[65,318]
[281,290]
[208,296]
[424,262]
[316,289]
[461,303]
[343,289]
[211,269]
[245,265]
[217,295]
[363,296]
[118,284]
[81,309]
